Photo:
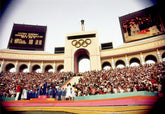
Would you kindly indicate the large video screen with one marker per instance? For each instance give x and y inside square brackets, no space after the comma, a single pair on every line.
[27,37]
[142,24]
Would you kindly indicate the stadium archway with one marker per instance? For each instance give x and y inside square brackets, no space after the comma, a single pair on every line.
[134,62]
[10,68]
[163,56]
[150,59]
[60,68]
[23,68]
[36,68]
[78,57]
[106,65]
[120,64]
[48,68]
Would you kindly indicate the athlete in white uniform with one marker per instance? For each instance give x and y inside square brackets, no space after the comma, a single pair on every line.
[68,91]
[73,93]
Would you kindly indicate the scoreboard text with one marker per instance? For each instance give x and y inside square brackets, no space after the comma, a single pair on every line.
[27,37]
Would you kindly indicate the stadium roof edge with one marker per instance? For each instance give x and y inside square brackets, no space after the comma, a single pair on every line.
[24,51]
[139,42]
[151,39]
[130,44]
[81,33]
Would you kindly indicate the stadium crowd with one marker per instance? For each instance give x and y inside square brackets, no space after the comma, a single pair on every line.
[130,79]
[119,80]
[34,83]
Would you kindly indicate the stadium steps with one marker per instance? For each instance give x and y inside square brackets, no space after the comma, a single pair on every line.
[73,80]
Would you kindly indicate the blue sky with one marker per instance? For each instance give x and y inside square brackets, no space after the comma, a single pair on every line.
[63,16]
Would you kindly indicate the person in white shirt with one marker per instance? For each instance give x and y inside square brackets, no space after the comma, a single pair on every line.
[24,93]
[73,93]
[114,90]
[68,91]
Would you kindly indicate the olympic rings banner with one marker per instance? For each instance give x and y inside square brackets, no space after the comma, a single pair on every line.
[81,42]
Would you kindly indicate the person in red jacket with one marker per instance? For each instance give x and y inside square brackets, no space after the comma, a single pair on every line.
[18,92]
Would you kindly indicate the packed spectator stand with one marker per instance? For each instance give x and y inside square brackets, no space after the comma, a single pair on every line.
[129,79]
[34,84]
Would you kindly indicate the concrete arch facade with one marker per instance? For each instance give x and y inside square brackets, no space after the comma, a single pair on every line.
[48,63]
[82,40]
[8,67]
[105,63]
[138,49]
[151,57]
[80,54]
[47,68]
[134,59]
[21,63]
[22,67]
[120,62]
[152,53]
[60,67]
[163,55]
[106,60]
[7,63]
[58,64]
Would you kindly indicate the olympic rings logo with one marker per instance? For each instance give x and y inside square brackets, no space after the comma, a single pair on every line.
[83,43]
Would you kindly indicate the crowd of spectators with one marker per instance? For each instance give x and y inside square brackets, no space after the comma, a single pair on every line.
[34,83]
[130,79]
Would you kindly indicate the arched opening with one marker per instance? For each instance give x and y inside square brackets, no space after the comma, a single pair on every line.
[48,68]
[84,65]
[60,68]
[23,68]
[134,62]
[81,61]
[106,65]
[150,59]
[36,68]
[120,64]
[163,57]
[10,68]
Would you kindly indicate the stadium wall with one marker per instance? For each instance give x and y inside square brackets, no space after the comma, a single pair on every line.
[117,95]
[141,50]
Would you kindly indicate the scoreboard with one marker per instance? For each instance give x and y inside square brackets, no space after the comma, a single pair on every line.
[143,24]
[27,37]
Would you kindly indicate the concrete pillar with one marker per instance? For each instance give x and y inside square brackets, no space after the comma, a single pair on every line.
[42,67]
[16,66]
[142,58]
[2,65]
[127,62]
[29,65]
[113,63]
[54,67]
[159,56]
